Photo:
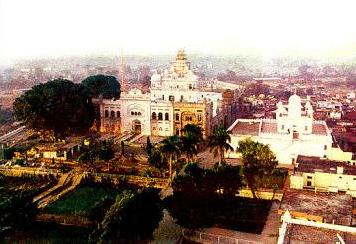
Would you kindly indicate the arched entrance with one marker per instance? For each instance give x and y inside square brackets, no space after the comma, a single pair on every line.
[136,126]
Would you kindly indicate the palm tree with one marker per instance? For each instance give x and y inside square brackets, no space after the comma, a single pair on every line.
[171,149]
[218,143]
[192,137]
[257,159]
[195,131]
[189,146]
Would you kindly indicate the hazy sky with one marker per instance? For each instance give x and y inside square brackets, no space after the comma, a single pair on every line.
[35,28]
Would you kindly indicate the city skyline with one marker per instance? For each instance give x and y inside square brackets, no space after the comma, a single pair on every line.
[35,29]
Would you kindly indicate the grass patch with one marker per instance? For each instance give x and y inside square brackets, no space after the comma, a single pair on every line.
[81,201]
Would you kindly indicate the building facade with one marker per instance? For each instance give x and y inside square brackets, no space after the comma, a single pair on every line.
[175,99]
[292,133]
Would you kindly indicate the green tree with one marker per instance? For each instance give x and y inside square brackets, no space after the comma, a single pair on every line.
[171,149]
[157,160]
[192,137]
[258,160]
[194,131]
[104,85]
[17,211]
[149,147]
[219,143]
[59,106]
[132,217]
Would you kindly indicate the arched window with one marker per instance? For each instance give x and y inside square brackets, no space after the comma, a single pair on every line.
[135,113]
[199,117]
[166,116]
[139,113]
[106,113]
[132,113]
[177,117]
[118,114]
[112,114]
[154,116]
[160,116]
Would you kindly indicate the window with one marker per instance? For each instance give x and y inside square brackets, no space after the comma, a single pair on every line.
[305,128]
[190,86]
[171,98]
[280,114]
[166,116]
[106,113]
[132,113]
[309,177]
[112,114]
[177,117]
[340,177]
[118,114]
[162,97]
[325,147]
[309,183]
[181,98]
[282,127]
[139,113]
[135,113]
[160,116]
[154,116]
[177,131]
[199,117]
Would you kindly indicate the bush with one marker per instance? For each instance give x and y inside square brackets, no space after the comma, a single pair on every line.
[197,183]
[132,217]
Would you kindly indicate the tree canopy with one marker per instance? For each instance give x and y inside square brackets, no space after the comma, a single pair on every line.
[219,143]
[258,160]
[58,106]
[133,217]
[104,85]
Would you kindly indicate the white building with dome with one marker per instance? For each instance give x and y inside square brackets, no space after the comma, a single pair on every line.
[294,132]
[174,100]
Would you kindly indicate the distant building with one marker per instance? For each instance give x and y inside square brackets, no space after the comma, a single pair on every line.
[175,99]
[294,132]
[324,175]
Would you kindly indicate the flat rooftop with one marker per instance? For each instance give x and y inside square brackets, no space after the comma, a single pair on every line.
[246,128]
[308,164]
[308,234]
[331,206]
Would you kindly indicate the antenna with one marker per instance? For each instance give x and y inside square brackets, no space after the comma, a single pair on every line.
[122,72]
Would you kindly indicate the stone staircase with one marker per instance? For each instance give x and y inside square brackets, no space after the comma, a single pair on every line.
[66,184]
[135,138]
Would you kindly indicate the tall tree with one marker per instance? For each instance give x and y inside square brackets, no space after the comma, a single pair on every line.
[191,139]
[149,147]
[157,160]
[219,143]
[171,149]
[104,85]
[59,106]
[257,159]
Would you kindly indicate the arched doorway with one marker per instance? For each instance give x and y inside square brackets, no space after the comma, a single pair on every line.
[136,126]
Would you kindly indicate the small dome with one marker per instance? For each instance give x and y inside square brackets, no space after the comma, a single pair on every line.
[294,99]
[155,77]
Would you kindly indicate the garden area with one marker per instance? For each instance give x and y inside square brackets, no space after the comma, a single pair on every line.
[83,201]
[207,198]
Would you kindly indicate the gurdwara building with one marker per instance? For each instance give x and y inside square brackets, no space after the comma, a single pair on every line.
[175,99]
[294,132]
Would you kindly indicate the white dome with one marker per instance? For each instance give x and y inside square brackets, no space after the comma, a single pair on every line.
[155,77]
[294,99]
